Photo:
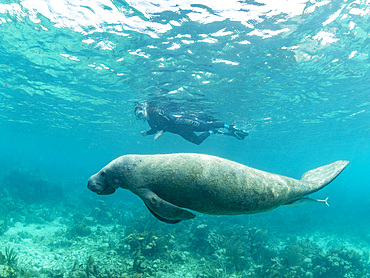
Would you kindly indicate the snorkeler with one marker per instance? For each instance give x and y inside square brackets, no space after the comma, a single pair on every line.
[161,120]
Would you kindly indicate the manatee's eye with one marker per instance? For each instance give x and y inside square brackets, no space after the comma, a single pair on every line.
[102,174]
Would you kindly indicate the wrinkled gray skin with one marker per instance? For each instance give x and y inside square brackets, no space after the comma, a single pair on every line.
[208,184]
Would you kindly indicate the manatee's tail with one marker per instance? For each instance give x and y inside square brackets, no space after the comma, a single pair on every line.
[322,176]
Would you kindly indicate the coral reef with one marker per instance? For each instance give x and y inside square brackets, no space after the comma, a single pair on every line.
[7,272]
[32,187]
[11,257]
[148,244]
[339,262]
[8,262]
[3,227]
[80,229]
[306,259]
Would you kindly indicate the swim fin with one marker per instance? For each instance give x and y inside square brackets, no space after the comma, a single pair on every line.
[240,134]
[237,133]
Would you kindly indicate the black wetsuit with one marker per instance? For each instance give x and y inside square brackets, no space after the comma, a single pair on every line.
[185,126]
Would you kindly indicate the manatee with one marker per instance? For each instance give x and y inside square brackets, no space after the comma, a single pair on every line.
[169,184]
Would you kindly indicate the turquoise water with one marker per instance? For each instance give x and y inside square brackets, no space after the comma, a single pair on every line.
[295,74]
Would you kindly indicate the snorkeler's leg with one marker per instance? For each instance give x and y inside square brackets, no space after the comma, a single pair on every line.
[214,125]
[206,126]
[193,138]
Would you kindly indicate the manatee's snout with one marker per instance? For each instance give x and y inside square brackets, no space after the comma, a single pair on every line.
[99,187]
[93,185]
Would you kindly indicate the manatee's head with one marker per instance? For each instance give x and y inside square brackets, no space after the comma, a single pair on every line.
[116,174]
[108,179]
[99,184]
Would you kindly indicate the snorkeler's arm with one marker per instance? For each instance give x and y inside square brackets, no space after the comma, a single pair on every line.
[149,132]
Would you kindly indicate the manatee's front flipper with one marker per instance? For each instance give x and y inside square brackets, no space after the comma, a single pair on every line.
[163,210]
[161,218]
